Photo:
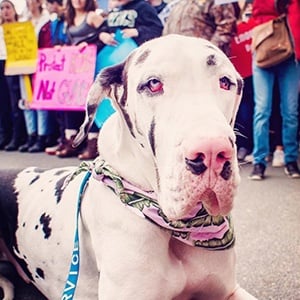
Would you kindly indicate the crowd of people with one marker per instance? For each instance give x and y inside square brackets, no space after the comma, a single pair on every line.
[268,116]
[269,111]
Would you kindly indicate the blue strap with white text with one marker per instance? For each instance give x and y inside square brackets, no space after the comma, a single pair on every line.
[72,279]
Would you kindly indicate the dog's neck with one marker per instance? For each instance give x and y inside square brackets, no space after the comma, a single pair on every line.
[124,154]
[199,229]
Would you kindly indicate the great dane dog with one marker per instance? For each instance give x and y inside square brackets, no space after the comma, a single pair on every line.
[154,220]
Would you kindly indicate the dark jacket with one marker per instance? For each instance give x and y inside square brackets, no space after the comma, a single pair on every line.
[53,33]
[137,14]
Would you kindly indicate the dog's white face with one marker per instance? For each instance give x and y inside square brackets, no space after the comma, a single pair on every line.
[179,97]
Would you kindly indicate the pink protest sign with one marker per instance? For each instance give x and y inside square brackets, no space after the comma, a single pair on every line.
[63,77]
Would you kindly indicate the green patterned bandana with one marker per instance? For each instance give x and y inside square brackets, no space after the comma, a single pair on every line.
[201,230]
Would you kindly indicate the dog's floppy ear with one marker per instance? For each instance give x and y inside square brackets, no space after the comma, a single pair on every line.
[100,89]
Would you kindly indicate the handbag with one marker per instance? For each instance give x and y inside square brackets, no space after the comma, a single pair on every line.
[272,42]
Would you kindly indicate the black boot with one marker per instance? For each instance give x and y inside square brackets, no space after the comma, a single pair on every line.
[15,142]
[5,134]
[3,142]
[12,146]
[30,142]
[19,135]
[39,145]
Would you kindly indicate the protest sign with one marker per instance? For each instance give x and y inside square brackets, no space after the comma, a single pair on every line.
[21,46]
[63,77]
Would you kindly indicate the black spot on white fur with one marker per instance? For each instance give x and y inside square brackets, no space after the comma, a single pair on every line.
[34,179]
[143,57]
[39,170]
[61,171]
[211,60]
[59,188]
[151,136]
[39,273]
[45,222]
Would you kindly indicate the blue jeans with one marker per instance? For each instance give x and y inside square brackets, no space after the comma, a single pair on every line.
[37,121]
[263,81]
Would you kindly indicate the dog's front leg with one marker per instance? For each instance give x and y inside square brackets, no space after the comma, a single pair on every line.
[140,266]
[129,273]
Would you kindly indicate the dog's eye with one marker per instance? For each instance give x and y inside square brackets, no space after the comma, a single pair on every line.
[152,87]
[225,83]
[155,86]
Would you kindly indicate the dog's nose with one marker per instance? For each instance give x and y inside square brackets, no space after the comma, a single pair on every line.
[209,153]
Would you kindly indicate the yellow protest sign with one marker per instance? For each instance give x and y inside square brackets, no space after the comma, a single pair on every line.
[21,46]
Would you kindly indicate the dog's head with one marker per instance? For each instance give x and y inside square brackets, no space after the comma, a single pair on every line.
[178,97]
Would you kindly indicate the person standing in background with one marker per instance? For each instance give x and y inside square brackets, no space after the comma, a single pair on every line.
[276,120]
[10,91]
[38,122]
[83,24]
[241,58]
[294,17]
[204,19]
[52,34]
[6,9]
[136,19]
[263,83]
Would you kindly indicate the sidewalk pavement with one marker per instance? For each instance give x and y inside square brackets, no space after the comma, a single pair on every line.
[267,225]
